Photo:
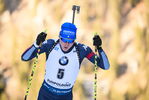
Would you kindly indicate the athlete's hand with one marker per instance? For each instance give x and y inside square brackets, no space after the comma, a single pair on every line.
[41,38]
[97,41]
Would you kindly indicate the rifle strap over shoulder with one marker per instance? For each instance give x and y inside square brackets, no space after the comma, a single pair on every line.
[75,44]
[52,48]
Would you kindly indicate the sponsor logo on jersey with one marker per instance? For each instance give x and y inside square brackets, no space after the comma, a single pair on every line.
[63,61]
[85,47]
[67,84]
[56,48]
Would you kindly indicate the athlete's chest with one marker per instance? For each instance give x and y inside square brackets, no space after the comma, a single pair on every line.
[62,67]
[61,58]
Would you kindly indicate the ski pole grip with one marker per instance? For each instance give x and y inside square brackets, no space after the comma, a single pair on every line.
[45,30]
[95,33]
[43,34]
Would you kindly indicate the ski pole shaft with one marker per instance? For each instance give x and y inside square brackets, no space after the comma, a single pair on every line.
[74,8]
[95,70]
[33,72]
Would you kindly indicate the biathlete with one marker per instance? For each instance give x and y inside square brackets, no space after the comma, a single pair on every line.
[63,59]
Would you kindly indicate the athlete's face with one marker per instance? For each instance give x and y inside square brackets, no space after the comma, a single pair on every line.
[65,45]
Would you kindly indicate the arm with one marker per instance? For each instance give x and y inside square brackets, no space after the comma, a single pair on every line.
[97,42]
[102,60]
[31,52]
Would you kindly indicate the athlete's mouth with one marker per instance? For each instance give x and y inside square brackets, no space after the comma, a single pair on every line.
[65,47]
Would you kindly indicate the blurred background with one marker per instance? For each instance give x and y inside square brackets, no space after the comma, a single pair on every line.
[122,24]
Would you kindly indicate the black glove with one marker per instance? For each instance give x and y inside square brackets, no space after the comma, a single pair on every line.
[97,41]
[41,38]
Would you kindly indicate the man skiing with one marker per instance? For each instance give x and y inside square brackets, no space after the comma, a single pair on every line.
[63,59]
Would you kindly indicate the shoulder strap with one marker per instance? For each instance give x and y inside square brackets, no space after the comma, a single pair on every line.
[76,46]
[52,48]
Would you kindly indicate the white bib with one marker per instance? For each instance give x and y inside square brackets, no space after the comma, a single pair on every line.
[62,68]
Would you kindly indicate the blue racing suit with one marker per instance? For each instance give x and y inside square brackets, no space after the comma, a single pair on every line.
[62,68]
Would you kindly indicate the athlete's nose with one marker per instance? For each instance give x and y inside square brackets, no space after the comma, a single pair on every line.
[66,44]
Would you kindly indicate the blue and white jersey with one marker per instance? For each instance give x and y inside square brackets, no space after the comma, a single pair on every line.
[61,70]
[62,67]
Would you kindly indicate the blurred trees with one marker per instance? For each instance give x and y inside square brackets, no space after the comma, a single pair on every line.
[122,24]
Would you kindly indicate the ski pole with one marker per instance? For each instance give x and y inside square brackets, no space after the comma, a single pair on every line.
[74,8]
[95,33]
[33,70]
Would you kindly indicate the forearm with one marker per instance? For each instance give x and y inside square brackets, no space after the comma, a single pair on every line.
[103,61]
[30,53]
